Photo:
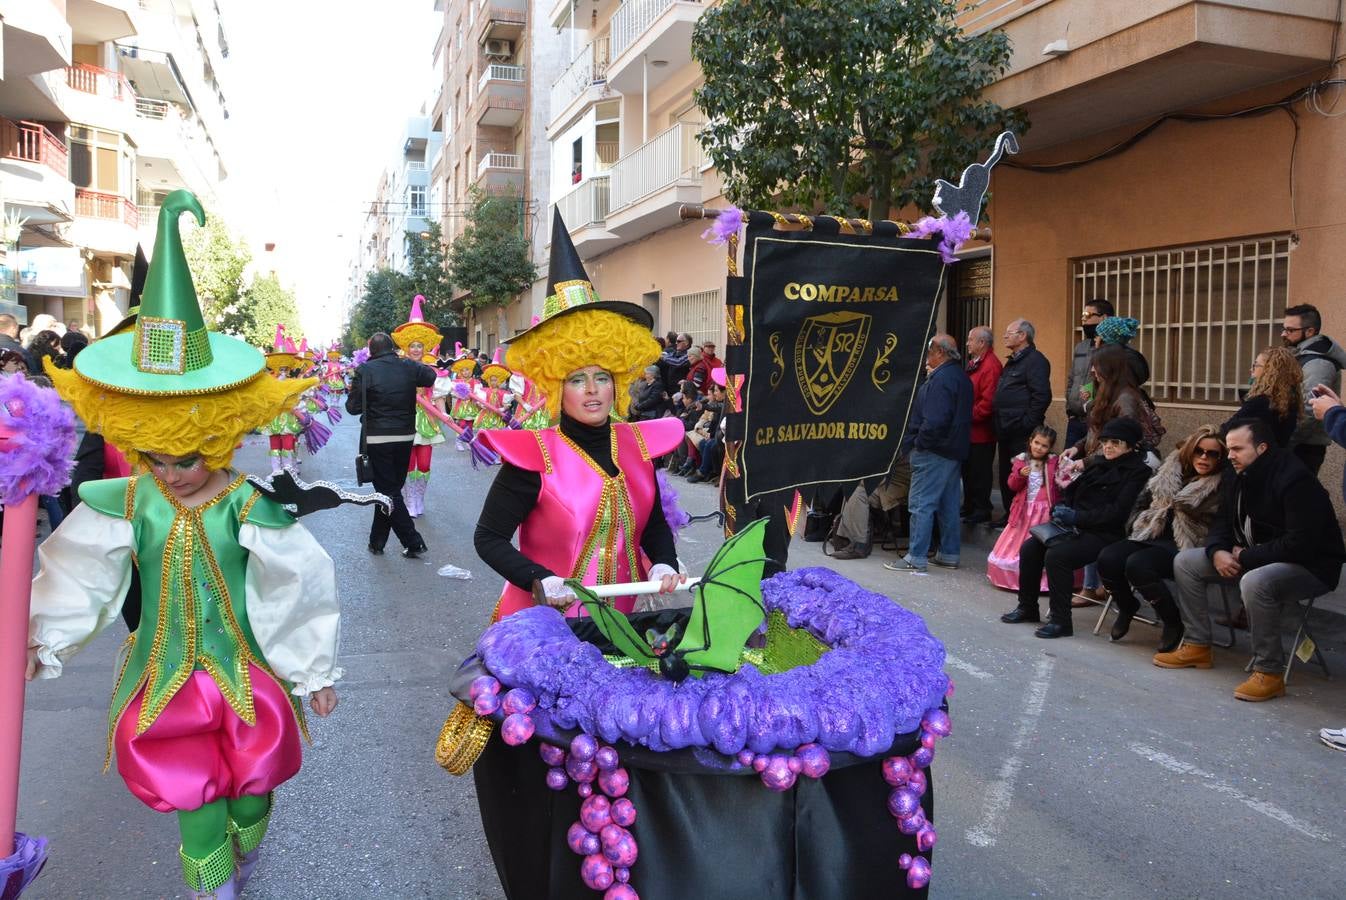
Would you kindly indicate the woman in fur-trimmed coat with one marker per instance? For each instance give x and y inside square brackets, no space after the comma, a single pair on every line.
[1173,513]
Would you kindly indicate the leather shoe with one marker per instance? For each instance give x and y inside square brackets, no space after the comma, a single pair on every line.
[1054,630]
[1261,686]
[415,552]
[1172,636]
[1121,626]
[1019,614]
[976,518]
[377,551]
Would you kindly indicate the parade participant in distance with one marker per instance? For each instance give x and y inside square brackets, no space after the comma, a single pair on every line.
[414,337]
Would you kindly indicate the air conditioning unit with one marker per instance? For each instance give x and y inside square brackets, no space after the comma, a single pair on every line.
[497,49]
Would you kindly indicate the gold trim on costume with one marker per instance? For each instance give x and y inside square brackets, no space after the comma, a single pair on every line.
[462,739]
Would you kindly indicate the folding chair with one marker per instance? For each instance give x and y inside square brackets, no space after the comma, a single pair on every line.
[1301,633]
[1109,605]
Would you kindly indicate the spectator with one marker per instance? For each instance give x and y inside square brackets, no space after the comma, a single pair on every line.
[706,412]
[1120,331]
[695,374]
[854,534]
[936,443]
[1021,399]
[13,361]
[701,369]
[388,420]
[1328,409]
[1115,394]
[1037,487]
[1321,358]
[674,363]
[1095,312]
[1095,505]
[712,440]
[9,338]
[72,342]
[45,344]
[1275,395]
[1276,537]
[651,400]
[1174,513]
[983,368]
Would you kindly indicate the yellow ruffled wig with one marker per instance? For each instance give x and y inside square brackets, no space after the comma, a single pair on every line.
[554,349]
[208,424]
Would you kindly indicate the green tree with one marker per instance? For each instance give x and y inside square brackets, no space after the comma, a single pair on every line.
[428,267]
[268,303]
[385,305]
[815,103]
[490,259]
[217,260]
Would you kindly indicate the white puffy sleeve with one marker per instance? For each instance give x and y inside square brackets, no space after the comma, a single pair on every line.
[292,604]
[84,571]
[442,387]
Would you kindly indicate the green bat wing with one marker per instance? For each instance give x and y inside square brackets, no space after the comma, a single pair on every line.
[728,606]
[614,625]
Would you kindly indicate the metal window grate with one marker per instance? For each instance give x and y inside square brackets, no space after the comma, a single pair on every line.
[1204,311]
[699,315]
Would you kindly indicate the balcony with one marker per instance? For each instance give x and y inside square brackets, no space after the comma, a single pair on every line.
[1130,62]
[584,209]
[99,97]
[105,223]
[500,94]
[501,20]
[657,31]
[34,143]
[581,84]
[652,181]
[34,173]
[99,82]
[175,146]
[98,205]
[499,173]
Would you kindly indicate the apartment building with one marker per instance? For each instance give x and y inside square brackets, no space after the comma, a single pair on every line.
[109,106]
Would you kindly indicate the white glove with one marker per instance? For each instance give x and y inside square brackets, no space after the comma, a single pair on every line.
[659,570]
[557,593]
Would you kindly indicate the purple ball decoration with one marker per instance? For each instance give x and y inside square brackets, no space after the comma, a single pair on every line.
[938,723]
[519,700]
[897,771]
[928,739]
[777,775]
[596,872]
[584,747]
[621,873]
[918,782]
[483,684]
[925,838]
[584,789]
[614,783]
[578,838]
[624,812]
[759,762]
[556,779]
[794,764]
[904,861]
[517,729]
[551,754]
[745,757]
[912,823]
[607,758]
[596,813]
[619,846]
[902,802]
[581,770]
[922,757]
[486,703]
[918,876]
[814,760]
[621,892]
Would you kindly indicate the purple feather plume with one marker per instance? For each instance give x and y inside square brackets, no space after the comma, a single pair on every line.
[462,390]
[18,870]
[333,414]
[38,458]
[724,226]
[483,455]
[361,356]
[316,436]
[954,232]
[675,515]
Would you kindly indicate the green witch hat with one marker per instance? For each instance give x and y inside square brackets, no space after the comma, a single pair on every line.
[169,352]
[569,289]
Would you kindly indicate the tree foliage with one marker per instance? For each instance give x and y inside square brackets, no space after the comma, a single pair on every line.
[815,103]
[385,305]
[267,304]
[217,260]
[428,268]
[491,258]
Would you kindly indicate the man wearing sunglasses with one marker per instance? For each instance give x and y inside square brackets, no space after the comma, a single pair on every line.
[1321,359]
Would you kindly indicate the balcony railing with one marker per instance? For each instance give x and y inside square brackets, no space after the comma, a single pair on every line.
[99,81]
[633,17]
[496,72]
[665,159]
[587,204]
[98,205]
[148,108]
[416,165]
[608,152]
[499,161]
[588,68]
[31,142]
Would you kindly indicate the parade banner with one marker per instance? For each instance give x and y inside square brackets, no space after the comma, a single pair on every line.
[834,330]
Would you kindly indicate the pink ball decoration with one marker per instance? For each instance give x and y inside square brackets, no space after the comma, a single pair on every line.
[585,789]
[486,703]
[928,739]
[902,802]
[922,757]
[777,775]
[483,684]
[621,873]
[814,760]
[517,729]
[581,770]
[596,872]
[584,747]
[745,757]
[551,754]
[918,876]
[759,763]
[897,770]
[621,892]
[556,779]
[614,783]
[623,853]
[578,837]
[596,813]
[937,722]
[904,861]
[912,823]
[607,759]
[794,765]
[925,838]
[918,782]
[624,812]
[519,700]
[611,834]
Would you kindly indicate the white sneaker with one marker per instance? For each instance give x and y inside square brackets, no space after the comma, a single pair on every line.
[1333,737]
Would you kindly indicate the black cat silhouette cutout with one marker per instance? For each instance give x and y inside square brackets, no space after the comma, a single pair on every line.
[967,195]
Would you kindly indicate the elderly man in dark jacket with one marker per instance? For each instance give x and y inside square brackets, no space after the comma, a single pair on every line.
[936,443]
[383,395]
[1276,537]
[1021,399]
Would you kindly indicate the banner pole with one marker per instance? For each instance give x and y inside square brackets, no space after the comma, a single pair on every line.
[688,211]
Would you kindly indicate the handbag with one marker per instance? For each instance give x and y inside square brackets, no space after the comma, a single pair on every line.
[364,472]
[1051,534]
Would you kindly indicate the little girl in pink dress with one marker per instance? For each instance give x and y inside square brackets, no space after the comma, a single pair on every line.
[1036,477]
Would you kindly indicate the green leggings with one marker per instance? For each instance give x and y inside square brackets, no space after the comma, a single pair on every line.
[205,829]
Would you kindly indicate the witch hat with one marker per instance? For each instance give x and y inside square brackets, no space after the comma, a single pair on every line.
[415,330]
[496,368]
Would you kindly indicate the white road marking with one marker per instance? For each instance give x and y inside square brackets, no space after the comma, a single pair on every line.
[963,665]
[1212,781]
[1000,794]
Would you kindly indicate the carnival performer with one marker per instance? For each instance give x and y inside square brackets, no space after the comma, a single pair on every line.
[583,495]
[493,395]
[283,429]
[414,337]
[240,620]
[332,384]
[464,409]
[532,413]
[311,429]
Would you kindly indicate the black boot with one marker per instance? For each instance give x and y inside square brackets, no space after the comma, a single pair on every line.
[1127,607]
[1158,596]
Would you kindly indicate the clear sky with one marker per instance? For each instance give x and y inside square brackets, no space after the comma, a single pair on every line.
[318,92]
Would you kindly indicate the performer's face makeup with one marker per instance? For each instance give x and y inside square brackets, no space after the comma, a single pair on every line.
[183,475]
[587,396]
[415,350]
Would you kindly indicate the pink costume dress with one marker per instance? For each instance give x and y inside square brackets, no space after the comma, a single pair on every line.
[586,524]
[1034,496]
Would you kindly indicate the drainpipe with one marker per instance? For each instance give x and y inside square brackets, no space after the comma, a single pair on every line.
[644,97]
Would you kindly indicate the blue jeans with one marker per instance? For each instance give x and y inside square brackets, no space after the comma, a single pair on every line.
[707,450]
[52,504]
[936,484]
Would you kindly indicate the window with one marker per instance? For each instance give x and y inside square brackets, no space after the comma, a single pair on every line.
[1204,311]
[100,160]
[416,200]
[699,314]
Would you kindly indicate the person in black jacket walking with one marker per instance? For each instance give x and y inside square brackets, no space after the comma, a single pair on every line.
[383,395]
[1021,399]
[1096,504]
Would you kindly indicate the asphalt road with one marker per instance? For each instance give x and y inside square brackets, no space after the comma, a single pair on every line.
[1076,769]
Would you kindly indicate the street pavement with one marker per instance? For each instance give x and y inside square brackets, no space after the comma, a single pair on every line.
[1076,769]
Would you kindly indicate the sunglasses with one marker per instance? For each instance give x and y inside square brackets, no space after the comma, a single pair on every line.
[1208,454]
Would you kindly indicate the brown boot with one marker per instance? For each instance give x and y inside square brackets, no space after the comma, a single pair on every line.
[1261,686]
[1187,656]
